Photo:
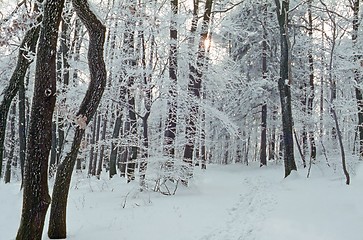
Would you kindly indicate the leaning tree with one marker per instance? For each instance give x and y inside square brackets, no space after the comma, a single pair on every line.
[96,31]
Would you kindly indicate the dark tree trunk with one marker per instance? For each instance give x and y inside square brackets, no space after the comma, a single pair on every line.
[16,80]
[63,77]
[263,154]
[53,150]
[114,147]
[284,88]
[10,157]
[339,135]
[102,147]
[96,148]
[170,128]
[22,128]
[87,109]
[203,150]
[194,88]
[76,45]
[357,75]
[147,103]
[92,150]
[118,121]
[36,198]
[311,84]
[272,147]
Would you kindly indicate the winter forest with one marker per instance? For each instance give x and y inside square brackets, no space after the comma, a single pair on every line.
[181,119]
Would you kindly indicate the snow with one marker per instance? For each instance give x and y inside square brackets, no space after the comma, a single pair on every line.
[233,202]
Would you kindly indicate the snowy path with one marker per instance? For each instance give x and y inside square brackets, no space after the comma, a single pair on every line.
[246,217]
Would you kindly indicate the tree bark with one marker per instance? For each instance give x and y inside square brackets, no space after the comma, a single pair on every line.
[340,140]
[147,103]
[102,146]
[170,128]
[114,147]
[10,157]
[311,84]
[17,79]
[357,75]
[263,154]
[22,127]
[36,198]
[92,150]
[96,31]
[194,88]
[284,87]
[96,148]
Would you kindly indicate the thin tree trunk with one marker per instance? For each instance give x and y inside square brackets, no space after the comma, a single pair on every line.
[147,103]
[95,156]
[53,151]
[114,147]
[194,89]
[170,128]
[102,147]
[339,135]
[311,84]
[357,74]
[92,151]
[22,127]
[10,157]
[284,88]
[263,153]
[17,79]
[272,147]
[63,77]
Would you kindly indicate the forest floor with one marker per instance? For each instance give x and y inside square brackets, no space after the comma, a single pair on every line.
[234,202]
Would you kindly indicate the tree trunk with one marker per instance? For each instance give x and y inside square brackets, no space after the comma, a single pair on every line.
[63,76]
[53,151]
[272,147]
[10,157]
[96,148]
[357,75]
[284,88]
[263,154]
[114,147]
[36,198]
[170,128]
[147,103]
[22,127]
[16,80]
[311,84]
[92,150]
[87,109]
[339,135]
[102,147]
[194,89]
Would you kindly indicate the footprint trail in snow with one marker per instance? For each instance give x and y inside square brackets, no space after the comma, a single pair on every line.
[247,216]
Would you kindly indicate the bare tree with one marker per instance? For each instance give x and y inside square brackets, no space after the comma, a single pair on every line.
[284,82]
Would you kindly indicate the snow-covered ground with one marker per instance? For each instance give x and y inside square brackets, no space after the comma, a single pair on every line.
[233,202]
